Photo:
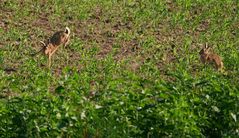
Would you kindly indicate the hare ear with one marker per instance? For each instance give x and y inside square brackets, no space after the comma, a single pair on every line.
[44,44]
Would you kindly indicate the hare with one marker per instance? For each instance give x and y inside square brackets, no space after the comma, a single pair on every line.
[53,43]
[207,57]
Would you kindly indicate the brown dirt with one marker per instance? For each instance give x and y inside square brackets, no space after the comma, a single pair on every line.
[103,31]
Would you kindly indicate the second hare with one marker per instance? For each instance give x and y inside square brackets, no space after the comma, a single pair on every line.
[207,57]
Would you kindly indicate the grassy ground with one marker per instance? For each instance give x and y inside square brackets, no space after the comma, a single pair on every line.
[132,69]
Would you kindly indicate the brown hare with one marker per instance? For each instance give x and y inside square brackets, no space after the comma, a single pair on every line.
[207,57]
[53,43]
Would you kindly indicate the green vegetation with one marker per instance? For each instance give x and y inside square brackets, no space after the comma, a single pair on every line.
[132,69]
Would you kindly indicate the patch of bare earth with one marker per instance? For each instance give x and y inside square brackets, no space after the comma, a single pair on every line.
[104,32]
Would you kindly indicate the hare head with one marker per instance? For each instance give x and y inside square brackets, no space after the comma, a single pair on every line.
[205,51]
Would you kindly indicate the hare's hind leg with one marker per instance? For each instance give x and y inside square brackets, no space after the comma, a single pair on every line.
[221,67]
[67,42]
[49,61]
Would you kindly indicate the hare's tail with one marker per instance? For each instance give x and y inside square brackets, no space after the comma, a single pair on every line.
[67,30]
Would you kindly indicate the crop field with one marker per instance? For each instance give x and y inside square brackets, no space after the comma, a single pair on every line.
[132,69]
